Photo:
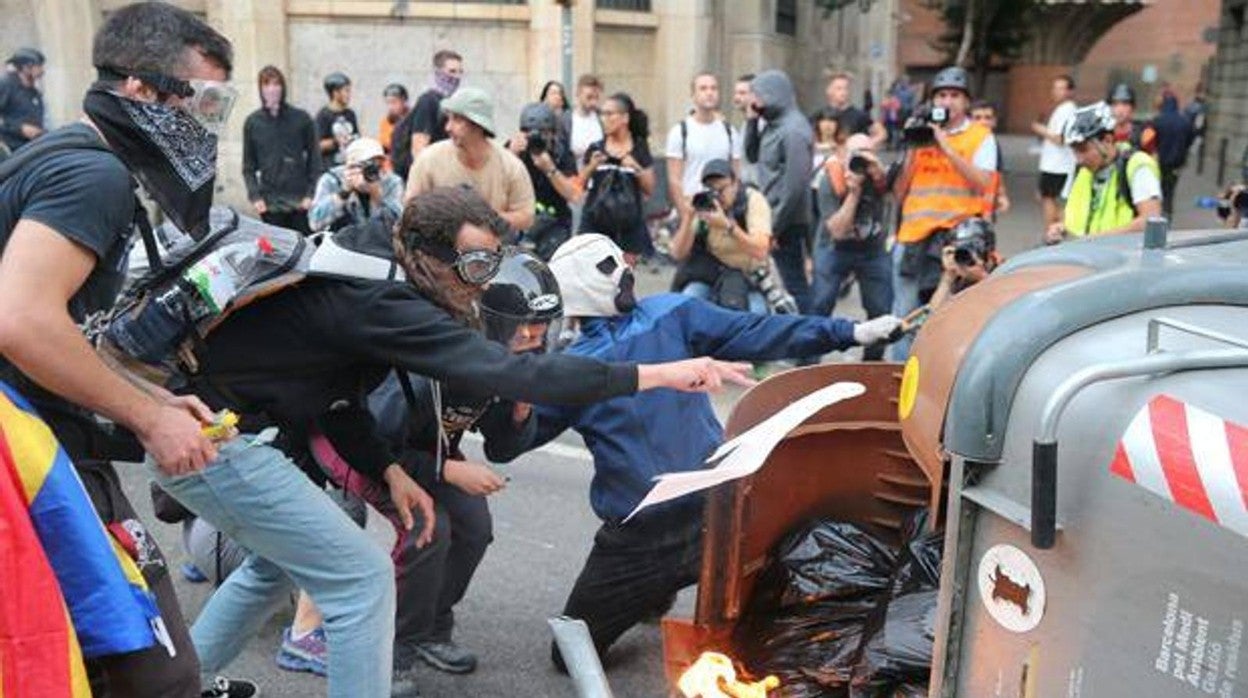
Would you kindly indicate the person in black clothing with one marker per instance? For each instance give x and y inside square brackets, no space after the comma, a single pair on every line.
[21,105]
[426,123]
[281,159]
[619,169]
[336,124]
[858,120]
[291,359]
[66,222]
[552,169]
[1174,137]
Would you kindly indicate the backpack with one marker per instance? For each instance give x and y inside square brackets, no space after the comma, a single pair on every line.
[613,206]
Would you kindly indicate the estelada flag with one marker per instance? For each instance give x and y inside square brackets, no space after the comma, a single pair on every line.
[48,527]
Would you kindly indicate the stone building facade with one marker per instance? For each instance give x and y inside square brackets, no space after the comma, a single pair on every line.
[648,48]
[1228,124]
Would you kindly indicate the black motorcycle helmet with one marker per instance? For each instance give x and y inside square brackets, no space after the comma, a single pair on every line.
[523,292]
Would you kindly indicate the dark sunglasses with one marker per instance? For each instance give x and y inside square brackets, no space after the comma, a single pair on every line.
[474,267]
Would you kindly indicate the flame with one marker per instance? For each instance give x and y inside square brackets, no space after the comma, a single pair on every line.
[713,676]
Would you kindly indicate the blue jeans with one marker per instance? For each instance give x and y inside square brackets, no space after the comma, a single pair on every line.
[874,270]
[702,290]
[299,538]
[905,300]
[790,256]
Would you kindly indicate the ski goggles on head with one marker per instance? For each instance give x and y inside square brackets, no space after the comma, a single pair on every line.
[474,267]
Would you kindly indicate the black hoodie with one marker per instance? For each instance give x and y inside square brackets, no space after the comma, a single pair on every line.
[281,156]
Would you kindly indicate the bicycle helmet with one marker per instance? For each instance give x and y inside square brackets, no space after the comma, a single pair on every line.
[1087,123]
[952,78]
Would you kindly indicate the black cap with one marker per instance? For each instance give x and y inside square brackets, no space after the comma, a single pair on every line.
[26,56]
[718,167]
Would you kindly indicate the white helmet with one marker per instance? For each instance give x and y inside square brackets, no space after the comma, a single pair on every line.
[1088,123]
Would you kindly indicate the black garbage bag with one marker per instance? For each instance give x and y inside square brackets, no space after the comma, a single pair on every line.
[898,650]
[918,564]
[811,648]
[833,560]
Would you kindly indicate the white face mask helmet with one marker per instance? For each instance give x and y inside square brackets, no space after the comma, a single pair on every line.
[593,277]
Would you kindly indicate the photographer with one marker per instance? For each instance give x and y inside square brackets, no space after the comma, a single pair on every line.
[723,241]
[552,169]
[358,191]
[969,258]
[851,234]
[1233,206]
[1113,190]
[949,174]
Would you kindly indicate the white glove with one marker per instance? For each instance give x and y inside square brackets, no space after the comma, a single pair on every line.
[877,330]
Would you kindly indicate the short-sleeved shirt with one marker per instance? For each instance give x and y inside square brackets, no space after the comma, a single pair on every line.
[549,201]
[586,129]
[325,120]
[1054,158]
[1144,184]
[503,181]
[88,197]
[427,116]
[987,155]
[19,105]
[702,142]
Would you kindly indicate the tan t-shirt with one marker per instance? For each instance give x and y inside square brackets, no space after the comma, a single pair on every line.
[502,181]
[727,249]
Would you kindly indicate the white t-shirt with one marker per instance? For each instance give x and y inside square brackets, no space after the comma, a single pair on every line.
[1058,159]
[703,143]
[586,130]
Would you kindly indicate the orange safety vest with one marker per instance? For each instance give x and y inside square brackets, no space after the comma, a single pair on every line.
[939,196]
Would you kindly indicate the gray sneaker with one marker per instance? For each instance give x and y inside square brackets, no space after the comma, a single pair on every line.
[403,684]
[446,656]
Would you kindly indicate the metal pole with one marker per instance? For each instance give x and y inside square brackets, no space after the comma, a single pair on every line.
[580,657]
[565,36]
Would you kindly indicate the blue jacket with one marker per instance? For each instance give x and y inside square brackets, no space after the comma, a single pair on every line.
[635,438]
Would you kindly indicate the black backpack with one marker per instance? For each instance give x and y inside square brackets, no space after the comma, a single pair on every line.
[613,206]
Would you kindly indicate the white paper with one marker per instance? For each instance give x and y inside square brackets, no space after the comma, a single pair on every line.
[746,453]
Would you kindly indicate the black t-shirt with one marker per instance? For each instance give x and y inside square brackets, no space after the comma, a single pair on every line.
[858,120]
[427,116]
[325,120]
[88,197]
[549,202]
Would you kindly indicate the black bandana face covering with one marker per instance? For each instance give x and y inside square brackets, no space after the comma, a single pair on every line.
[171,154]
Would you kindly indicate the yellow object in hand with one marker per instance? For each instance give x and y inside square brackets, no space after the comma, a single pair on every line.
[223,428]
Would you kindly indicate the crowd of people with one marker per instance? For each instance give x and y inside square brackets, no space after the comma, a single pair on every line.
[506,304]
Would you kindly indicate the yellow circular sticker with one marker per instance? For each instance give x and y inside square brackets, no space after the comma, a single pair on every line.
[909,388]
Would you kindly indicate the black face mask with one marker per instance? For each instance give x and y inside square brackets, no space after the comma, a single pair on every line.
[625,298]
[171,154]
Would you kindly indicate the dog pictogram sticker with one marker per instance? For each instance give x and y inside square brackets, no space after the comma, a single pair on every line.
[1011,588]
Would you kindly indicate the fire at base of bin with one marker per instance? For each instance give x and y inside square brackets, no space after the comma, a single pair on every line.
[714,676]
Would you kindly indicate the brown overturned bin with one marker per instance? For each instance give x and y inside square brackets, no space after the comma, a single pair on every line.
[847,462]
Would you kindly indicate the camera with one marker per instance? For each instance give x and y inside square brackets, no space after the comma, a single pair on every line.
[537,143]
[858,163]
[778,299]
[1234,202]
[973,240]
[704,200]
[917,130]
[370,171]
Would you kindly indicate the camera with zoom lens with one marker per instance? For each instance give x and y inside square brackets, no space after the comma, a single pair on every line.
[917,130]
[859,163]
[778,299]
[704,200]
[370,171]
[973,240]
[1236,202]
[536,143]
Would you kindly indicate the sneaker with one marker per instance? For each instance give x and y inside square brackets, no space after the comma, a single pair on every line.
[231,688]
[309,653]
[446,656]
[403,684]
[192,574]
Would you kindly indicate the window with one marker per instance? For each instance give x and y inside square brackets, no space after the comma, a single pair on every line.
[786,17]
[630,5]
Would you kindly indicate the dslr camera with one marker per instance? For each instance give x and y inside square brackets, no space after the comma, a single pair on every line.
[537,143]
[370,171]
[1233,200]
[973,240]
[917,131]
[858,163]
[704,200]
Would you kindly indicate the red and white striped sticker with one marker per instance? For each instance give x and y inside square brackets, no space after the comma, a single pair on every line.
[1188,456]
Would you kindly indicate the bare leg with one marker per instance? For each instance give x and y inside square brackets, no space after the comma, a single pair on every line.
[307,616]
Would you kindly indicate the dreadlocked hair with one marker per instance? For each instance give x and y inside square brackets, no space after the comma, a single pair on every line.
[434,218]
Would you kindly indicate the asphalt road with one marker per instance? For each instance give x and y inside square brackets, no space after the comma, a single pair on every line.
[543,529]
